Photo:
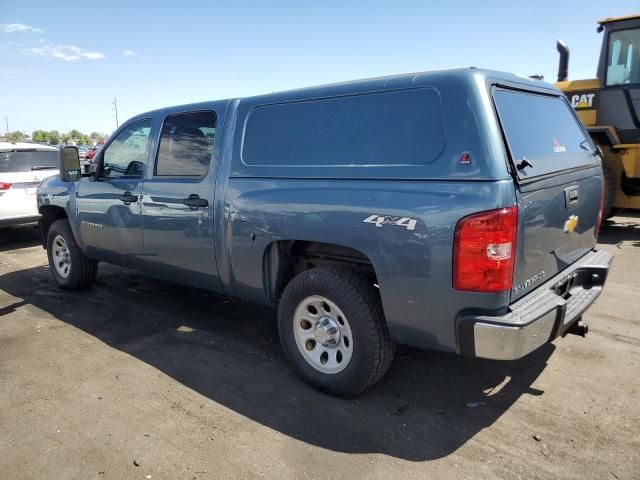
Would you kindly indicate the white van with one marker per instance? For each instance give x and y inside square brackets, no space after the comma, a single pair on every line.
[22,167]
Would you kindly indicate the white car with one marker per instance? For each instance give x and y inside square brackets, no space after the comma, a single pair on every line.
[22,167]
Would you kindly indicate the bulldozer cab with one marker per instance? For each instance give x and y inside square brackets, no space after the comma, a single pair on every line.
[609,107]
[619,77]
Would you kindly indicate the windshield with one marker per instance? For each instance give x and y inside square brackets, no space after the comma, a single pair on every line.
[542,130]
[28,160]
[623,57]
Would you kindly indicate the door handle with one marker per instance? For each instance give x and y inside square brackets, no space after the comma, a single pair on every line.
[194,201]
[127,198]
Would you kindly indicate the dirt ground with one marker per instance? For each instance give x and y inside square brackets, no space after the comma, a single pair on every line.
[138,378]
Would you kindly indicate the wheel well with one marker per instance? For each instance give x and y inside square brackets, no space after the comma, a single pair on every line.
[284,259]
[49,214]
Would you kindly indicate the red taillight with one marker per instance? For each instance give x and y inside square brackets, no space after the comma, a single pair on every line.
[484,249]
[5,186]
[599,221]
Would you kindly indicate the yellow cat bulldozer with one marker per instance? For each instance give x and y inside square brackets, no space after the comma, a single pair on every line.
[609,107]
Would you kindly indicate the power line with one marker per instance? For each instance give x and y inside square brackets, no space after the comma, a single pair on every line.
[115,107]
[88,116]
[81,117]
[85,113]
[35,123]
[577,67]
[136,105]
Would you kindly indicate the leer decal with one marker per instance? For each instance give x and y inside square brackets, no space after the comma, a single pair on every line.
[557,147]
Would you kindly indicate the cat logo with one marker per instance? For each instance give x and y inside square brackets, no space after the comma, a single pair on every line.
[571,224]
[584,100]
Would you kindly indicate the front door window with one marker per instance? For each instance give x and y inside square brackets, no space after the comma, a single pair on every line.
[126,155]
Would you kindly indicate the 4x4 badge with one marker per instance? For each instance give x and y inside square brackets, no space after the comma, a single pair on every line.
[381,220]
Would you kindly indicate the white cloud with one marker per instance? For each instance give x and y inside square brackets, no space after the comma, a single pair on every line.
[10,72]
[129,53]
[19,27]
[67,53]
[92,55]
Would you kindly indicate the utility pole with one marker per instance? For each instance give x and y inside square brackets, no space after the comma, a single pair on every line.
[115,107]
[6,122]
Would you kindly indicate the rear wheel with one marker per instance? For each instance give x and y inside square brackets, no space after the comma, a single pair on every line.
[333,331]
[70,268]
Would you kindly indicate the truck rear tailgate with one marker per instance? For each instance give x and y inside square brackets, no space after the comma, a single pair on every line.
[557,219]
[558,185]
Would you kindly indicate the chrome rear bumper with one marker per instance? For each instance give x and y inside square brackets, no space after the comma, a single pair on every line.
[538,317]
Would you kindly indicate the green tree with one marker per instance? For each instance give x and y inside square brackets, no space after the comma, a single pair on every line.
[39,136]
[54,137]
[14,137]
[96,137]
[65,137]
[75,134]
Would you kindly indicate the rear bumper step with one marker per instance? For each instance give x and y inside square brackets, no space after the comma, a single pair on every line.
[552,309]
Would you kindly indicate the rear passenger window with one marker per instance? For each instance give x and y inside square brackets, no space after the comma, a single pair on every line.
[402,127]
[186,145]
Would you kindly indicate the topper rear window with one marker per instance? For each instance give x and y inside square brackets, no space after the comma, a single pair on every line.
[543,130]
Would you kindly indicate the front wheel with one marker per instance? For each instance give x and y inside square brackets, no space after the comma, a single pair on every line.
[333,330]
[69,267]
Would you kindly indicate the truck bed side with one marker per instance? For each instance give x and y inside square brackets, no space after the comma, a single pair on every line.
[412,267]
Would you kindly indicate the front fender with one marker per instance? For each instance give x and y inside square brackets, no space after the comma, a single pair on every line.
[53,193]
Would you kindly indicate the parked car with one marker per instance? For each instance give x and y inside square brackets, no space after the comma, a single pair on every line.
[455,211]
[22,167]
[92,152]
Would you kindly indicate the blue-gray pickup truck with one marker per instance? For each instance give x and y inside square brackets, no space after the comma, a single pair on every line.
[454,210]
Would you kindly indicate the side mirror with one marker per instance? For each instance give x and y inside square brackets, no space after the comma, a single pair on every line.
[69,164]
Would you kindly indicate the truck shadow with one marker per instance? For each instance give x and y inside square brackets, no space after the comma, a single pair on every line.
[13,238]
[620,231]
[427,406]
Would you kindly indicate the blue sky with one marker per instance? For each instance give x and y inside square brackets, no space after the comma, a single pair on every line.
[61,65]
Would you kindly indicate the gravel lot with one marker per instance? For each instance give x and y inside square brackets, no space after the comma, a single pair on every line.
[139,378]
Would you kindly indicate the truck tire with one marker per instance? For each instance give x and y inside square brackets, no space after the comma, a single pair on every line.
[609,192]
[333,331]
[69,267]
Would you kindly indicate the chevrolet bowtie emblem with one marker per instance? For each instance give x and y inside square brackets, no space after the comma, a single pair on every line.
[571,224]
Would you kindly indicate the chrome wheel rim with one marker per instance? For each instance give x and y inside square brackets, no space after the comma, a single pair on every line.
[61,257]
[323,334]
